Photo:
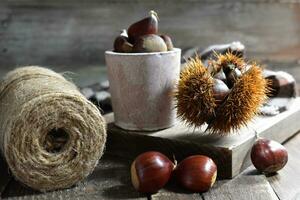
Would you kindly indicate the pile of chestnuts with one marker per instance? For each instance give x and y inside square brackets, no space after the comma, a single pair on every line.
[142,36]
[151,170]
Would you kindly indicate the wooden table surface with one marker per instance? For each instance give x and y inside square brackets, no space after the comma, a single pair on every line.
[111,180]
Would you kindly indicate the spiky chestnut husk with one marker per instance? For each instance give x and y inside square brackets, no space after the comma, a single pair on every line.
[194,96]
[227,61]
[196,105]
[242,103]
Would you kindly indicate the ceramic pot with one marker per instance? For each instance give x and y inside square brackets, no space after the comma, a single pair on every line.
[141,87]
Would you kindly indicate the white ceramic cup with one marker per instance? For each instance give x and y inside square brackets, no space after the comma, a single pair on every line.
[141,87]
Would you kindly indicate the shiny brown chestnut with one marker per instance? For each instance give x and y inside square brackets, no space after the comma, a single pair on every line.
[233,76]
[145,26]
[149,43]
[221,76]
[168,42]
[150,171]
[121,43]
[220,91]
[268,156]
[196,173]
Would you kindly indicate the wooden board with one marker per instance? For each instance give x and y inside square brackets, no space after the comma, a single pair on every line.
[247,186]
[231,153]
[111,180]
[286,183]
[76,32]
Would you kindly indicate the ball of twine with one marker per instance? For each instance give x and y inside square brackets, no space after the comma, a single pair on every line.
[50,135]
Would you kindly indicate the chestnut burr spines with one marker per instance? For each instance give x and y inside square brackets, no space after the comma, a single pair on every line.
[268,156]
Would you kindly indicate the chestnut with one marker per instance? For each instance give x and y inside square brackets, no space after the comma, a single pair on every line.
[268,156]
[221,75]
[150,171]
[220,91]
[196,173]
[150,43]
[145,26]
[168,42]
[121,43]
[233,76]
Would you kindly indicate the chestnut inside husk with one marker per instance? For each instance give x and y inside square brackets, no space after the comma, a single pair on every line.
[197,102]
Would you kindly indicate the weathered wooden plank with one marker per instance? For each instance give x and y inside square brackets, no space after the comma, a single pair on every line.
[174,191]
[170,195]
[252,185]
[231,153]
[110,180]
[287,182]
[77,33]
[129,144]
[247,186]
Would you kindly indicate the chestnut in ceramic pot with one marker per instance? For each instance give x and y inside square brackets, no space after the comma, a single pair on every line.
[196,173]
[121,43]
[168,42]
[149,43]
[268,156]
[150,171]
[148,25]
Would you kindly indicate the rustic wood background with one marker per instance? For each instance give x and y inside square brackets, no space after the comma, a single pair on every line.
[65,34]
[72,35]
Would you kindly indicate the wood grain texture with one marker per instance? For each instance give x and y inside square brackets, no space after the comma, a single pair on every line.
[247,186]
[74,32]
[110,180]
[125,144]
[286,183]
[169,195]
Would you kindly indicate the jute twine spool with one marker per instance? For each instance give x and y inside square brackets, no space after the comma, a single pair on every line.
[50,135]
